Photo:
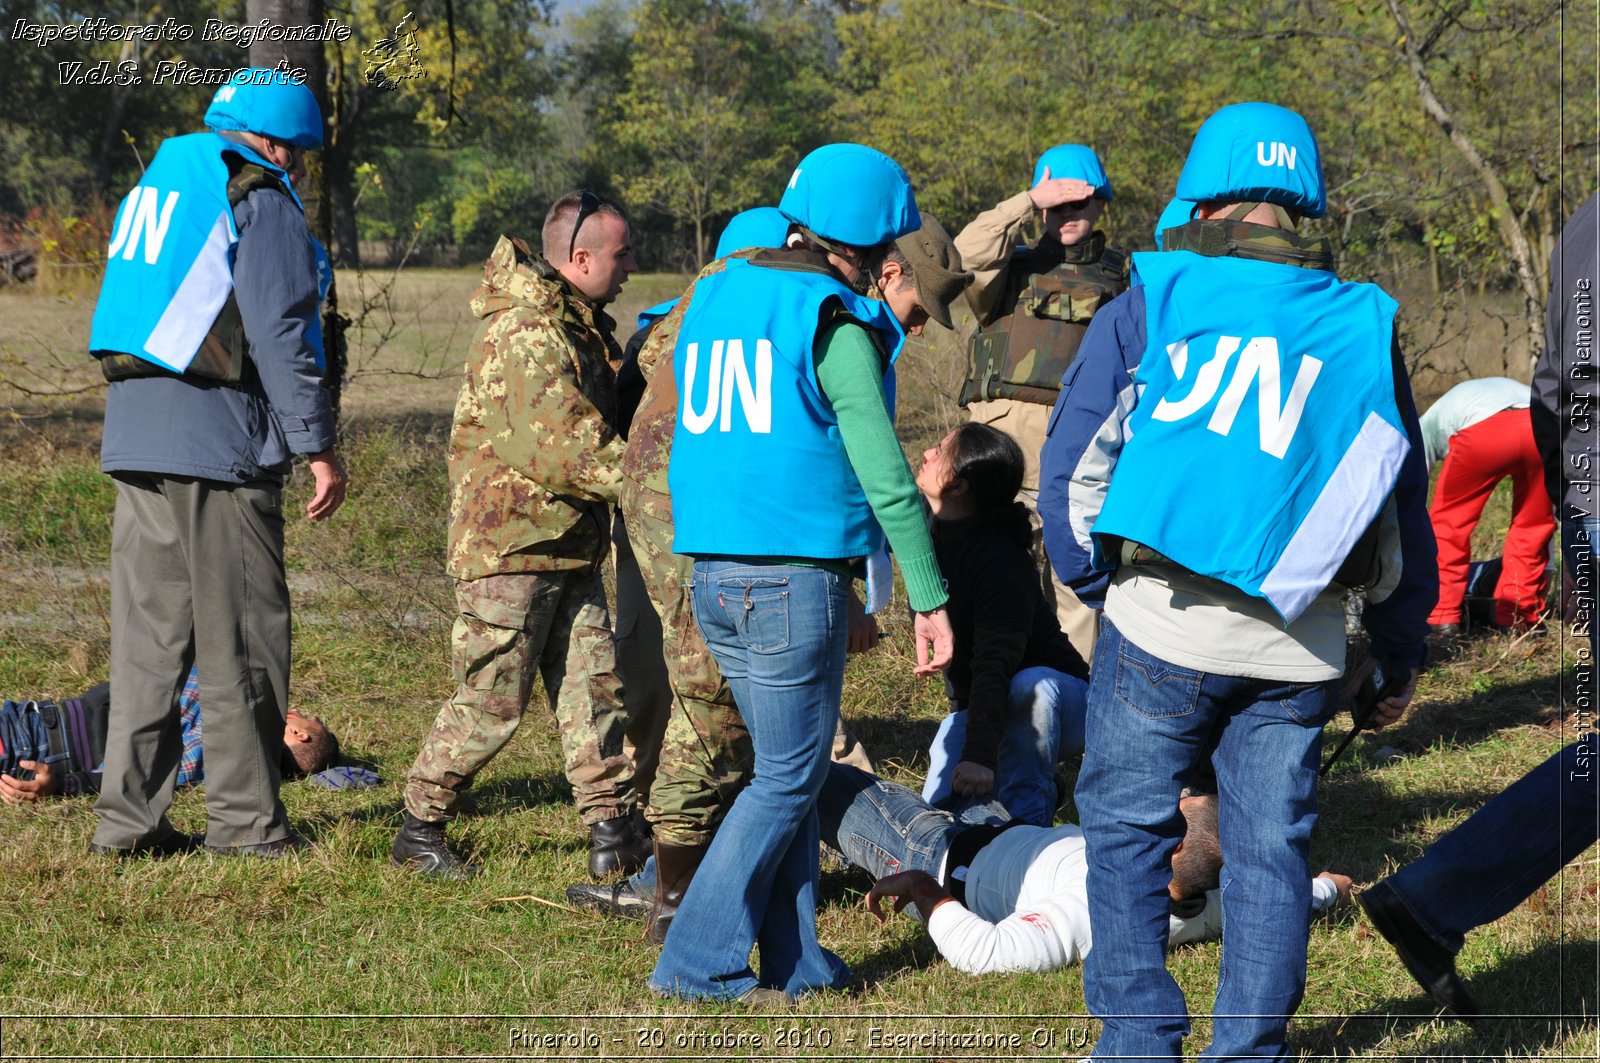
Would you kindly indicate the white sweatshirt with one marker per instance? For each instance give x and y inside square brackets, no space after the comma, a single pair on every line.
[1028,906]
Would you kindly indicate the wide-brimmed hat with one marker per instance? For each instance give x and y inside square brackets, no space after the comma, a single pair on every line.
[936,268]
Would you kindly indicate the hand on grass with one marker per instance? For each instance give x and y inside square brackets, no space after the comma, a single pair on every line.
[14,791]
[906,887]
[1343,883]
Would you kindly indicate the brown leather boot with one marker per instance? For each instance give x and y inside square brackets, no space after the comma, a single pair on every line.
[675,868]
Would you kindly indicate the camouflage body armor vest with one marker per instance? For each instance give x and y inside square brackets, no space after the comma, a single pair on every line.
[1023,353]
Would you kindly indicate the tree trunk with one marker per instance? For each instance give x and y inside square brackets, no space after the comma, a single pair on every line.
[310,57]
[1527,271]
[111,128]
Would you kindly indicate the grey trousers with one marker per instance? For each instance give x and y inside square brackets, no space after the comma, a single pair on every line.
[196,577]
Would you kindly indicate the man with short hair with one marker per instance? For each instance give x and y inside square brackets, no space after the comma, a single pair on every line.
[1233,450]
[533,463]
[60,745]
[1033,305]
[207,328]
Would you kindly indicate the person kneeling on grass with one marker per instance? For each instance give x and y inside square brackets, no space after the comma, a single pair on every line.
[997,896]
[49,747]
[1017,687]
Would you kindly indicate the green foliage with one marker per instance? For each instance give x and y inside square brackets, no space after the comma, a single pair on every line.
[704,115]
[691,110]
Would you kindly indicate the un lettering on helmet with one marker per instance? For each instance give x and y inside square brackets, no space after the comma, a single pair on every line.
[270,103]
[1255,151]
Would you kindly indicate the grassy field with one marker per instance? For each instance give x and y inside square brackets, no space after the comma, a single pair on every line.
[337,955]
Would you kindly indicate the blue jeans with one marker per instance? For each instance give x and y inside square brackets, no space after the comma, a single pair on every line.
[1044,722]
[1148,722]
[778,633]
[882,827]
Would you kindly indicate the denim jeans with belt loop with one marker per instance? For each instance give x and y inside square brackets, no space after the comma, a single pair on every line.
[778,633]
[1149,721]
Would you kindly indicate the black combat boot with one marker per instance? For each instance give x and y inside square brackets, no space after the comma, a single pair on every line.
[619,900]
[618,846]
[420,847]
[675,868]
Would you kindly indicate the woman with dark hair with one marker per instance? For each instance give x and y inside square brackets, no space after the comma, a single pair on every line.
[1017,687]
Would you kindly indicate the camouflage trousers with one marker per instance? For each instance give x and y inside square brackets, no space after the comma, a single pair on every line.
[706,755]
[509,626]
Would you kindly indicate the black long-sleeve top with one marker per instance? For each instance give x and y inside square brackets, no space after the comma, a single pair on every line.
[1002,624]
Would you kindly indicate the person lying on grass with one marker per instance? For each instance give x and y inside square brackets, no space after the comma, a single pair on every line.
[49,747]
[1007,896]
[997,895]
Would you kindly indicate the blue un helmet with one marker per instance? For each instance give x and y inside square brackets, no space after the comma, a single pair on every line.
[1074,160]
[851,194]
[1256,152]
[1178,212]
[756,227]
[268,102]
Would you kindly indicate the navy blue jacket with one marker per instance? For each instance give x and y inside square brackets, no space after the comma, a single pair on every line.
[188,426]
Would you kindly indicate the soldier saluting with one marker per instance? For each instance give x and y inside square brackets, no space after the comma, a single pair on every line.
[1033,305]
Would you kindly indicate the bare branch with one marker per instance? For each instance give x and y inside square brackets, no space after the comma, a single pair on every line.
[1505,216]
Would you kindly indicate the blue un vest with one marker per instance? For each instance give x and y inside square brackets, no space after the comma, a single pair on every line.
[1265,436]
[169,266]
[758,466]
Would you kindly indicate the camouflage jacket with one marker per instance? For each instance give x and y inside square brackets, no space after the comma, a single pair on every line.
[533,456]
[650,436]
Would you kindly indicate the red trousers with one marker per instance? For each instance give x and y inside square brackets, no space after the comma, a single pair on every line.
[1480,457]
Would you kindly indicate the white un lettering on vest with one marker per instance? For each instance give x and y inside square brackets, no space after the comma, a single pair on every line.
[1258,362]
[143,219]
[728,372]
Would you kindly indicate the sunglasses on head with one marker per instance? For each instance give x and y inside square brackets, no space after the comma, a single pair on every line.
[588,203]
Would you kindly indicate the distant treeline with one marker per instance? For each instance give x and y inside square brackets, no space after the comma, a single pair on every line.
[1456,134]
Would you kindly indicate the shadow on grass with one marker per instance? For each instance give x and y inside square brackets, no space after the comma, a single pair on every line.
[1539,1000]
[508,796]
[890,963]
[1362,818]
[898,740]
[1472,717]
[501,798]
